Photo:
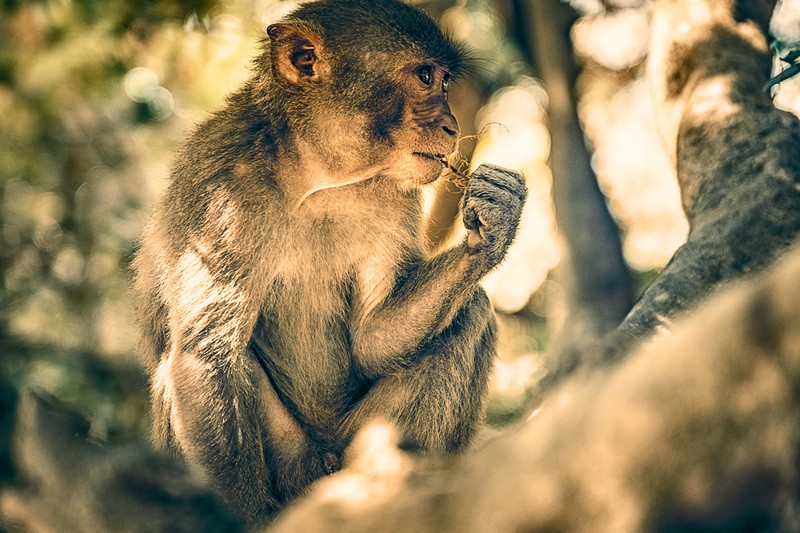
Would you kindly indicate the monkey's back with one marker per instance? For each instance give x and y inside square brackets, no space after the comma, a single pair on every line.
[205,217]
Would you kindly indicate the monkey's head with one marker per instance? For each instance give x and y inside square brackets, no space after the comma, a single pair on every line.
[363,86]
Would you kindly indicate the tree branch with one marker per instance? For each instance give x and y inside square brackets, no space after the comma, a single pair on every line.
[735,154]
[698,433]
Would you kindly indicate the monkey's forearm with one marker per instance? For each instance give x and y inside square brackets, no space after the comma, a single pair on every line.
[423,302]
[211,416]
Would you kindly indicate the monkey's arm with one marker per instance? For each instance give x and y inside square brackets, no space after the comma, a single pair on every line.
[207,390]
[214,427]
[428,294]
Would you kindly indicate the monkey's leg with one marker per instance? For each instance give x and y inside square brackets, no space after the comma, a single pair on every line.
[294,458]
[436,399]
[226,420]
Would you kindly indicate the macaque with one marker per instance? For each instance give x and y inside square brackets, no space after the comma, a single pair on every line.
[284,295]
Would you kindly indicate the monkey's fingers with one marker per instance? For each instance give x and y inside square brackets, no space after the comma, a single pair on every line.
[471,220]
[503,178]
[473,240]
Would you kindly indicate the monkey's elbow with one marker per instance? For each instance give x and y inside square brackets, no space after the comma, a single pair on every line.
[376,350]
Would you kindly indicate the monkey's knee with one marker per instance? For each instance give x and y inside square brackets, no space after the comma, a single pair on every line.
[472,334]
[444,418]
[478,305]
[478,351]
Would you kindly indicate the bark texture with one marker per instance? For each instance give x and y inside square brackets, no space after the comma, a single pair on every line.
[735,154]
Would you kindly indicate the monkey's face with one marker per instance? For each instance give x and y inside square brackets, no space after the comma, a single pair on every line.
[427,132]
[369,107]
[383,116]
[397,120]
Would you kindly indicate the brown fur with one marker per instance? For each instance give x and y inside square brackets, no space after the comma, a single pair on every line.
[284,296]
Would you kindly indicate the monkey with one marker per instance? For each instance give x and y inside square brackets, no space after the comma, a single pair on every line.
[283,292]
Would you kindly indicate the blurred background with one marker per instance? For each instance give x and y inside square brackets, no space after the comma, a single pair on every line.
[96,97]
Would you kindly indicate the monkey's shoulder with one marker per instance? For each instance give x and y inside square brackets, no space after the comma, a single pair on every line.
[235,145]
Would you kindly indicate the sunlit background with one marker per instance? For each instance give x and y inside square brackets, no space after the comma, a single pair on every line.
[96,97]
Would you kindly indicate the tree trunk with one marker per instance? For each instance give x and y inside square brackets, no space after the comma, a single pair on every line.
[736,155]
[598,285]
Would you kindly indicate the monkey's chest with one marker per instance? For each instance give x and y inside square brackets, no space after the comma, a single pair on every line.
[304,340]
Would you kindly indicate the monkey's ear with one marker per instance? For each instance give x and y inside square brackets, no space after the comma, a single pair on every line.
[298,54]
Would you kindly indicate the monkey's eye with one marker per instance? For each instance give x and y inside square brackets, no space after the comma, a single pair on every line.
[425,74]
[446,84]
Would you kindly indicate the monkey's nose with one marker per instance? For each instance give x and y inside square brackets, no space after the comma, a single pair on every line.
[449,124]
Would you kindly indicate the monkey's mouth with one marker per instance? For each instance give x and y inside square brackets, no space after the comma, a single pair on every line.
[439,158]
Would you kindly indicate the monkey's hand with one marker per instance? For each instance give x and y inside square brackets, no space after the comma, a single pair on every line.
[492,207]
